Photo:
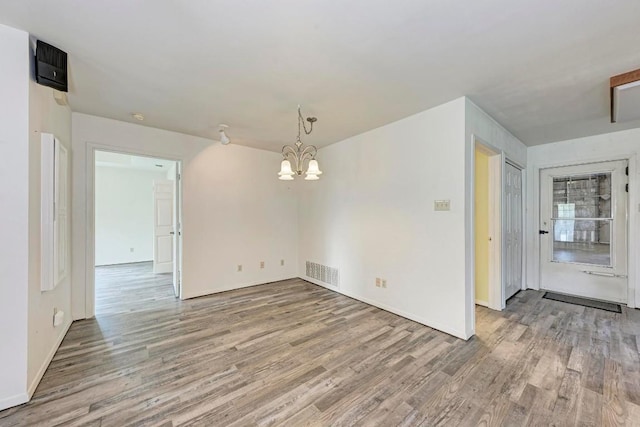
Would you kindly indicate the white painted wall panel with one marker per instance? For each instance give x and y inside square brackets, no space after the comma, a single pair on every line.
[371,215]
[45,115]
[14,202]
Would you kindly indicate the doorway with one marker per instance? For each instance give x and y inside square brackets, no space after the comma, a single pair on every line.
[498,227]
[136,220]
[583,230]
[484,239]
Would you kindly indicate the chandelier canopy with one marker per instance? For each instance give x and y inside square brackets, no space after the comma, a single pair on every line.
[300,155]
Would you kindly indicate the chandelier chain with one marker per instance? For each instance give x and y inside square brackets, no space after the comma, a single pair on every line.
[301,120]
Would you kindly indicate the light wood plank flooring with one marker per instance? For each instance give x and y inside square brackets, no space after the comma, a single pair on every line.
[131,288]
[292,353]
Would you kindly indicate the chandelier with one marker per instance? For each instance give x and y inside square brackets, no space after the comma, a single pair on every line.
[299,155]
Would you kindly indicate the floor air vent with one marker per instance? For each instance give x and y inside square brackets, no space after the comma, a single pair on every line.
[328,275]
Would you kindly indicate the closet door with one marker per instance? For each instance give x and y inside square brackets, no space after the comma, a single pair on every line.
[513,230]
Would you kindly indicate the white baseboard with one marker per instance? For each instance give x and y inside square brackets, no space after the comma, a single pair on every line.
[11,401]
[233,287]
[482,303]
[124,263]
[423,321]
[47,361]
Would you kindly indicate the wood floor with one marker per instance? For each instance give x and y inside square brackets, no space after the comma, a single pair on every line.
[292,353]
[131,288]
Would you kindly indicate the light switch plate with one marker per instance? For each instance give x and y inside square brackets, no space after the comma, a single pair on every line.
[442,205]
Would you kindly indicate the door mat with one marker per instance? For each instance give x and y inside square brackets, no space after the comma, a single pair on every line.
[607,306]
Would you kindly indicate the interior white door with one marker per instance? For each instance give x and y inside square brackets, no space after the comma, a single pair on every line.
[177,227]
[583,230]
[512,230]
[163,222]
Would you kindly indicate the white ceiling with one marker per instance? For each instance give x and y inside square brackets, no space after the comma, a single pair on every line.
[540,68]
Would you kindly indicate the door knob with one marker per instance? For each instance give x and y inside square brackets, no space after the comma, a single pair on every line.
[543,232]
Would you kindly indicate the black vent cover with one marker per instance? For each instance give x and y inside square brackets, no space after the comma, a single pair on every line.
[51,66]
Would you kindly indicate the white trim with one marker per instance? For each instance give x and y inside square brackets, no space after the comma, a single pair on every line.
[421,320]
[177,237]
[47,195]
[523,284]
[633,298]
[47,361]
[90,259]
[234,287]
[514,163]
[496,227]
[15,400]
[496,190]
[89,273]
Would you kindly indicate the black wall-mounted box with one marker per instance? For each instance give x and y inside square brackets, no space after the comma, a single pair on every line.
[51,66]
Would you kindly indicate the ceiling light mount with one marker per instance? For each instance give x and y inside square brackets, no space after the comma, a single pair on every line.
[224,139]
[299,155]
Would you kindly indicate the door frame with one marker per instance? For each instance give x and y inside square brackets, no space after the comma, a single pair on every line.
[591,286]
[633,297]
[497,164]
[496,172]
[90,237]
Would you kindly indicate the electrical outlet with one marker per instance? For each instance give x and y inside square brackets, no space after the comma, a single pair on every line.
[239,268]
[261,264]
[384,283]
[282,262]
[58,317]
[442,205]
[378,282]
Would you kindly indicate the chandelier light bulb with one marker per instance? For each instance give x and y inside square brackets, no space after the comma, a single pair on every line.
[313,168]
[286,174]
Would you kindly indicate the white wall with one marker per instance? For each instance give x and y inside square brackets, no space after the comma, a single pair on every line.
[14,202]
[124,214]
[371,215]
[612,146]
[479,125]
[235,210]
[45,115]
